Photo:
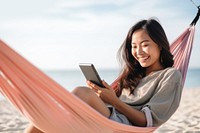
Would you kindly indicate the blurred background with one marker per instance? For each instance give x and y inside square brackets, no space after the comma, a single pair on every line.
[57,35]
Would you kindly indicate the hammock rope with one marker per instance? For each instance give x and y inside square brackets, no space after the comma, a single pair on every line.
[194,21]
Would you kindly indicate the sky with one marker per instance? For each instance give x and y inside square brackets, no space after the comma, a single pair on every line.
[60,34]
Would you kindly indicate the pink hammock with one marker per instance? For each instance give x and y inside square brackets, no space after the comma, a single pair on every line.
[53,109]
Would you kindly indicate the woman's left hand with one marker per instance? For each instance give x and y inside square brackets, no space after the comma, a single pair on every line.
[107,94]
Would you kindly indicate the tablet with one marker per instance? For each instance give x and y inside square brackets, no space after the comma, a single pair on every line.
[90,73]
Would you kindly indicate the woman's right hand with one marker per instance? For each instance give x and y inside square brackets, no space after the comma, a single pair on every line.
[107,94]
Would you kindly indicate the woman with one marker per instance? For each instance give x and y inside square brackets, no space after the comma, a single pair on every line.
[149,88]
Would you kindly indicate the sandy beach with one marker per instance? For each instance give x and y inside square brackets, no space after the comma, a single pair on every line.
[185,120]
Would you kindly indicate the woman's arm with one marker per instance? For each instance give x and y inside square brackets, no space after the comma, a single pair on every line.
[136,117]
[108,95]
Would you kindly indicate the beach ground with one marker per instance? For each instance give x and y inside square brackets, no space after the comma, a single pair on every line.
[185,120]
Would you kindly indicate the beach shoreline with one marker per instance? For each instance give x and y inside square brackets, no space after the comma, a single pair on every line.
[185,119]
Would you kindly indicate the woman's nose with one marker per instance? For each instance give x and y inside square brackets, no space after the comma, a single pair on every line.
[139,51]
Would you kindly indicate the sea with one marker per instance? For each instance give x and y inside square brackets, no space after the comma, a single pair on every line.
[70,79]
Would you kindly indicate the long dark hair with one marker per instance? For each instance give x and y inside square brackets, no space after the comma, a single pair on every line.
[132,71]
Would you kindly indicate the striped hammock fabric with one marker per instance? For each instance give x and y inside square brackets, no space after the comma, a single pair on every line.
[53,109]
[181,48]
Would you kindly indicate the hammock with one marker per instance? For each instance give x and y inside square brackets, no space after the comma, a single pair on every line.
[52,109]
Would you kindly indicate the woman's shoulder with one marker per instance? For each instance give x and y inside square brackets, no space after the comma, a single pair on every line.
[172,74]
[164,73]
[172,71]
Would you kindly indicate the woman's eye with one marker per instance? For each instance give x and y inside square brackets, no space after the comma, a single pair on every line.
[145,45]
[134,47]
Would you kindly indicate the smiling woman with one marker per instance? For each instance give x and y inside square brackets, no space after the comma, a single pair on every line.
[147,75]
[146,81]
[53,109]
[146,51]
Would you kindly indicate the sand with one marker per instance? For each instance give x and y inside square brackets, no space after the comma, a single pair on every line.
[185,120]
[10,120]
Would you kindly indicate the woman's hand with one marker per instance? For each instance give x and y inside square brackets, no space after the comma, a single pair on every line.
[107,94]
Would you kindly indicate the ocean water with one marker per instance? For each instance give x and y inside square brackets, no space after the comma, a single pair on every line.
[69,79]
[72,78]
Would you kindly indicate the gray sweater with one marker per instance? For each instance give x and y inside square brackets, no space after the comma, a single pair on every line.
[159,91]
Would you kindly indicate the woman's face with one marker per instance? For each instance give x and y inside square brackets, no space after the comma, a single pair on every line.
[145,51]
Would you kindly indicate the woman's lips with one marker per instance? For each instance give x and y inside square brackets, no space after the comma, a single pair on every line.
[143,59]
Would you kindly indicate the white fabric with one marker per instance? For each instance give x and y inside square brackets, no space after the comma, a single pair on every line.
[148,115]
